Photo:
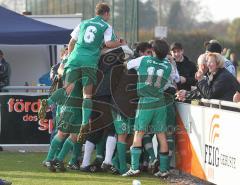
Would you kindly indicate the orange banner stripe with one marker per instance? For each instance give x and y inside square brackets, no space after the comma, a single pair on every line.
[186,157]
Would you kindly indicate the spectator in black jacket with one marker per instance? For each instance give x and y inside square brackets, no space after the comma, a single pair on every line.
[186,68]
[214,46]
[4,72]
[218,84]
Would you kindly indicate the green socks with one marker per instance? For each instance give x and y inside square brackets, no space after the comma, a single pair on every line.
[86,110]
[171,146]
[67,146]
[121,153]
[100,148]
[115,161]
[54,148]
[135,157]
[164,161]
[77,148]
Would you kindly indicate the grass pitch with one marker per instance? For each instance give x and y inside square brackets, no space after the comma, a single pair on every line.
[26,169]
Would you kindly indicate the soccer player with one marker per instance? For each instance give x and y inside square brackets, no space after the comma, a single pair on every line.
[84,53]
[123,125]
[110,59]
[68,121]
[153,73]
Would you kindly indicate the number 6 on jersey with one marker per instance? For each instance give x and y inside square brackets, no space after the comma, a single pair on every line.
[89,34]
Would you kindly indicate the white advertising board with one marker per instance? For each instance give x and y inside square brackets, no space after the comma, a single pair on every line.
[211,147]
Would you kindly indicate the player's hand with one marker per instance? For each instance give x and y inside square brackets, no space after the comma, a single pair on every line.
[236,97]
[122,41]
[183,79]
[181,95]
[84,130]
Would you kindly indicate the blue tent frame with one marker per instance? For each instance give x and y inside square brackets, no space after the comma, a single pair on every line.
[17,29]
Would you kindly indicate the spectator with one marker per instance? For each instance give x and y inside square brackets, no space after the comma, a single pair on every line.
[202,66]
[233,59]
[4,72]
[144,49]
[56,71]
[215,84]
[215,47]
[185,68]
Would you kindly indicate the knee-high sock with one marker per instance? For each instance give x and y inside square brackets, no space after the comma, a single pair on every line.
[110,148]
[77,148]
[170,140]
[148,146]
[115,161]
[135,157]
[100,148]
[121,152]
[88,149]
[164,161]
[54,147]
[67,146]
[86,110]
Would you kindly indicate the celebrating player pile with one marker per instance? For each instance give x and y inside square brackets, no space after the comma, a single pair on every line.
[78,106]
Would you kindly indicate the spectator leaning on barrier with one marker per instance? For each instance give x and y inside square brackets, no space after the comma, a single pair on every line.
[4,72]
[186,68]
[217,84]
[215,47]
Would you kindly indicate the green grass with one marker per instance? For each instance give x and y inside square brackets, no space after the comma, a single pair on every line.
[26,169]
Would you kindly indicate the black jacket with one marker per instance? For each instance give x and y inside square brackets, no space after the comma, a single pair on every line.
[223,85]
[186,69]
[4,73]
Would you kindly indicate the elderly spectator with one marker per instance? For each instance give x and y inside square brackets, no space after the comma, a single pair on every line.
[214,46]
[202,66]
[218,84]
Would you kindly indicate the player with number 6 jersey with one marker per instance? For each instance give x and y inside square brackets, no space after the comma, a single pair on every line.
[84,53]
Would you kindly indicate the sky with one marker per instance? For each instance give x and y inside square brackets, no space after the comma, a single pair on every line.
[221,9]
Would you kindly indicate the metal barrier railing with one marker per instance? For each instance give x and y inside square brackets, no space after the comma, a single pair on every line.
[221,103]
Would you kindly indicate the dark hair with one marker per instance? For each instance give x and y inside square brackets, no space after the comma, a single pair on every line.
[143,46]
[176,45]
[161,48]
[102,8]
[1,53]
[214,47]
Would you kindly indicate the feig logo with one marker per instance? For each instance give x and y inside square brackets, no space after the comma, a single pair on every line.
[213,157]
[212,151]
